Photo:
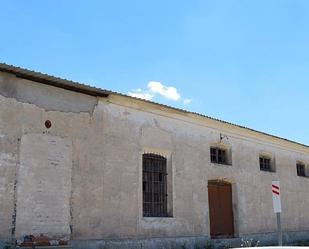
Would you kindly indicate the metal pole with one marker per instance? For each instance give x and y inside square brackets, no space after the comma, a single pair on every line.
[279,229]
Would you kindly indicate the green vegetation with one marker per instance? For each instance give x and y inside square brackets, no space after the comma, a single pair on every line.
[249,243]
[302,243]
[9,245]
[209,245]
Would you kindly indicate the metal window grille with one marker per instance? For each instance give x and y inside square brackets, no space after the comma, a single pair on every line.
[265,164]
[154,186]
[218,155]
[300,169]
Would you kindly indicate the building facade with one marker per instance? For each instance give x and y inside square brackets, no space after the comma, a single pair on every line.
[92,166]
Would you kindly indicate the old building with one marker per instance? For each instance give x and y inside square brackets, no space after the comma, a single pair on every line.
[101,168]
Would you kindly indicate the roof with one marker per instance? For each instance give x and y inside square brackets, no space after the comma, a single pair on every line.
[53,81]
[94,91]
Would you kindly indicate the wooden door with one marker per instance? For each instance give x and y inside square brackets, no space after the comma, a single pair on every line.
[220,209]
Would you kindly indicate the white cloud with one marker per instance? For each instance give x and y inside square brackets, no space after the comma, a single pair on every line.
[155,88]
[168,92]
[187,101]
[139,93]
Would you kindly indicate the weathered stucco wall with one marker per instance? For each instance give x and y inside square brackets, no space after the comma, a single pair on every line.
[26,91]
[190,144]
[100,189]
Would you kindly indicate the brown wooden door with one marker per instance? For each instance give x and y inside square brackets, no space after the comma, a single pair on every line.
[220,209]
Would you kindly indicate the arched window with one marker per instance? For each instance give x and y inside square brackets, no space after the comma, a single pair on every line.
[154,186]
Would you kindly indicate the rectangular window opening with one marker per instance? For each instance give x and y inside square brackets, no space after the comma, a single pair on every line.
[265,164]
[301,169]
[154,186]
[218,155]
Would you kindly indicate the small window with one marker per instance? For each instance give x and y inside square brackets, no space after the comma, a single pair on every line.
[301,169]
[265,164]
[218,155]
[154,186]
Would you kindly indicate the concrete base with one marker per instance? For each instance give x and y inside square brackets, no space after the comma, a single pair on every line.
[154,243]
[271,239]
[46,247]
[201,242]
[159,243]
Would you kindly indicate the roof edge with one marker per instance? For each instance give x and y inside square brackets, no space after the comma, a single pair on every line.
[214,119]
[99,92]
[53,81]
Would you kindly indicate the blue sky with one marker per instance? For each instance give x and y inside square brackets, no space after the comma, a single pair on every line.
[245,62]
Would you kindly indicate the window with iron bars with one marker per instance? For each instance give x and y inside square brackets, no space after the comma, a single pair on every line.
[154,186]
[218,155]
[301,169]
[265,164]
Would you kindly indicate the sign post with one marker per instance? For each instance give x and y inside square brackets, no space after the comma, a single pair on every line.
[275,186]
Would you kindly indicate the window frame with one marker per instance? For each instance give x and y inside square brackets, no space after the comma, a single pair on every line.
[266,163]
[303,171]
[218,155]
[154,179]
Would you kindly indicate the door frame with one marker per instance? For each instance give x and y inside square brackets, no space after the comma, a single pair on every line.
[234,203]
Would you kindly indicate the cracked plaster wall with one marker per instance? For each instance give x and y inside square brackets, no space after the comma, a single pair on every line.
[108,139]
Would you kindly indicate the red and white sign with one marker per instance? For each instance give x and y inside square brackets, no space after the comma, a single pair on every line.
[275,187]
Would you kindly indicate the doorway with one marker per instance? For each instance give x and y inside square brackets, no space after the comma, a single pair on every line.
[220,209]
[44,186]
